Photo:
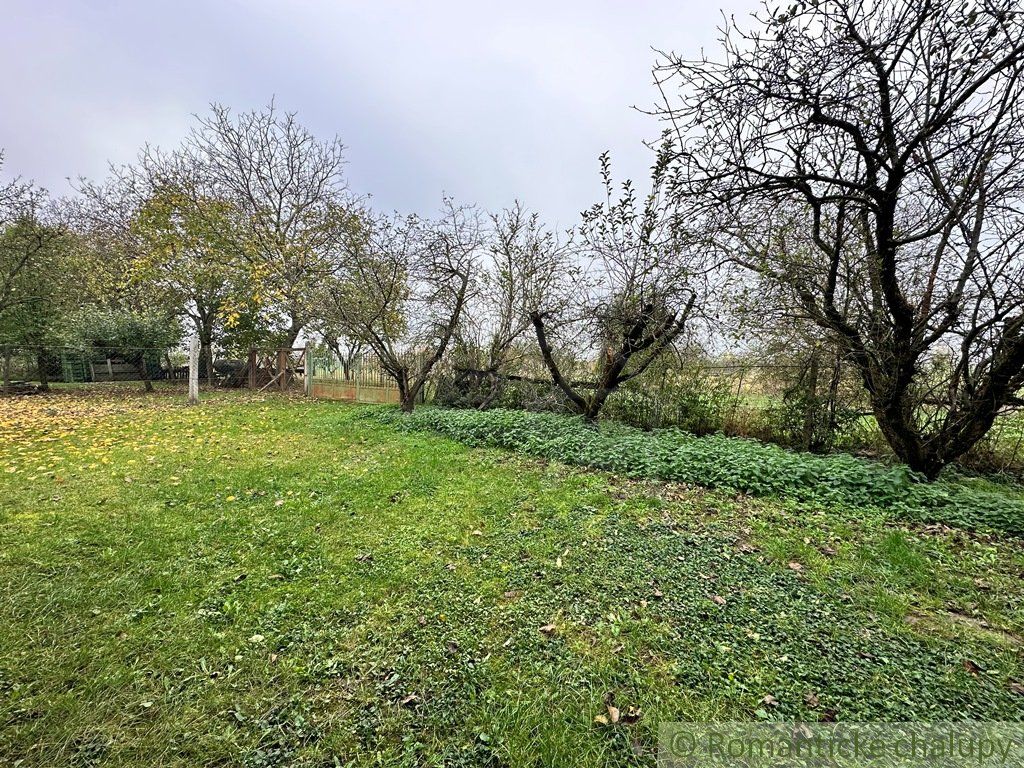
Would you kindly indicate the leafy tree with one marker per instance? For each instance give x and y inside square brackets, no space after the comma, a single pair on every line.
[27,235]
[32,239]
[112,250]
[123,332]
[187,256]
[40,293]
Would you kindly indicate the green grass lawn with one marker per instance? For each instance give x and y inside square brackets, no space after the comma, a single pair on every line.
[264,582]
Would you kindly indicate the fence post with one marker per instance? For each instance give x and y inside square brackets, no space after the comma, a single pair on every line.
[252,367]
[739,394]
[282,369]
[357,364]
[307,359]
[193,370]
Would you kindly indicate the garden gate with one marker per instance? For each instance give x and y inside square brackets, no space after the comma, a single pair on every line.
[360,378]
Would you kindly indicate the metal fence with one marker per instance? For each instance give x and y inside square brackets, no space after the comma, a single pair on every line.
[793,405]
[27,370]
[318,372]
[358,377]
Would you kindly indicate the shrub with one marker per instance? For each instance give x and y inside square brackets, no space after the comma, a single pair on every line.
[687,398]
[464,390]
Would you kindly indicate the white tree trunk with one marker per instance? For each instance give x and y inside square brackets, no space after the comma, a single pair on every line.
[193,370]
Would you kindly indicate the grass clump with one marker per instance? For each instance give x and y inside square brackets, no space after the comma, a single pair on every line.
[734,464]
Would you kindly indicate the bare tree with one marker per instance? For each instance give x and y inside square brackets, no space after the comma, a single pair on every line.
[291,188]
[328,321]
[347,350]
[626,301]
[868,157]
[405,289]
[516,278]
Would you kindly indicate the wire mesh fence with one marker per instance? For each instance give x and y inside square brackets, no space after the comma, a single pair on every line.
[798,406]
[28,370]
[695,395]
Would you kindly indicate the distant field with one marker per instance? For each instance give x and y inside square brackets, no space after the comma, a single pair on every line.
[262,581]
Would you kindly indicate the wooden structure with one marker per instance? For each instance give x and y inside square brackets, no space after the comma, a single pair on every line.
[280,369]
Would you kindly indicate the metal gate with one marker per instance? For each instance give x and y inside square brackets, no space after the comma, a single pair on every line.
[359,379]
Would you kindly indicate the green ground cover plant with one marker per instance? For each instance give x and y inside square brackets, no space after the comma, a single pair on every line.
[262,581]
[735,464]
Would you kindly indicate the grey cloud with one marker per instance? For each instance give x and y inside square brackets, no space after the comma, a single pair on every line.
[486,101]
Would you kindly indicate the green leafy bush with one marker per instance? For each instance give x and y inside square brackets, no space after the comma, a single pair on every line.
[688,398]
[729,463]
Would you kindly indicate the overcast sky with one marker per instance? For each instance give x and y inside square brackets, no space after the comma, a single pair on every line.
[487,101]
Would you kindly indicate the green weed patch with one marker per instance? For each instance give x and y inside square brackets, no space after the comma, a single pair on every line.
[723,462]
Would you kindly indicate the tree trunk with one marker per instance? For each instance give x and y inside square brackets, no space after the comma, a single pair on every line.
[7,369]
[594,405]
[144,372]
[406,392]
[897,424]
[496,387]
[203,320]
[205,359]
[252,369]
[833,396]
[44,379]
[893,406]
[810,402]
[209,364]
[406,398]
[294,327]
